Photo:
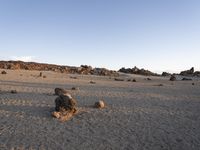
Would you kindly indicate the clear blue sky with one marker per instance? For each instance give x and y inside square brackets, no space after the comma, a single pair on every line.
[158,35]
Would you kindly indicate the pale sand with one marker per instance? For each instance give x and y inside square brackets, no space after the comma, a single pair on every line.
[139,115]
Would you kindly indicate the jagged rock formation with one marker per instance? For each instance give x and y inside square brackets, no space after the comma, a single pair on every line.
[187,72]
[166,74]
[136,70]
[83,69]
[190,72]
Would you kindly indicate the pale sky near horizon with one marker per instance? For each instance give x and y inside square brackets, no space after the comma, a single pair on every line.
[158,35]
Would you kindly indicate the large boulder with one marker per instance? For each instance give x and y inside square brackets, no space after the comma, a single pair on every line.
[172,78]
[65,107]
[65,103]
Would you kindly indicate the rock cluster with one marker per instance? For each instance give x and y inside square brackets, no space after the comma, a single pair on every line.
[136,70]
[83,69]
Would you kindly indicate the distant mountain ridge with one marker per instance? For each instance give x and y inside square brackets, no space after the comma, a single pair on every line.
[136,70]
[83,69]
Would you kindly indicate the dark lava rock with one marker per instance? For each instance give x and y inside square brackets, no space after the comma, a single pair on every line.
[117,79]
[134,80]
[192,83]
[3,72]
[73,77]
[92,82]
[149,79]
[186,79]
[65,103]
[60,91]
[172,78]
[13,91]
[136,70]
[75,88]
[40,74]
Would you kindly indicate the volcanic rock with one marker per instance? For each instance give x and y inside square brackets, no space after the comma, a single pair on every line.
[187,72]
[60,91]
[13,91]
[99,104]
[136,70]
[83,69]
[166,74]
[65,107]
[118,79]
[172,78]
[3,72]
[186,79]
[65,103]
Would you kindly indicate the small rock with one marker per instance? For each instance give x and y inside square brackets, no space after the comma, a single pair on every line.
[3,72]
[73,77]
[149,79]
[117,79]
[75,88]
[186,79]
[60,91]
[13,91]
[99,104]
[44,76]
[192,83]
[133,80]
[40,74]
[92,82]
[56,114]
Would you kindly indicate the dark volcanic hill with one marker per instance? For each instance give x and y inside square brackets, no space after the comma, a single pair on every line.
[136,70]
[83,69]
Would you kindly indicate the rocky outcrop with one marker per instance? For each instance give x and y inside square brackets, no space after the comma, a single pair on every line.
[136,70]
[187,72]
[166,74]
[190,73]
[83,69]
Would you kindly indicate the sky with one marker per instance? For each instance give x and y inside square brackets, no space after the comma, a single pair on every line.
[158,35]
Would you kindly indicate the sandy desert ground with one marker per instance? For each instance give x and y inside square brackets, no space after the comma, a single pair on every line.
[139,115]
